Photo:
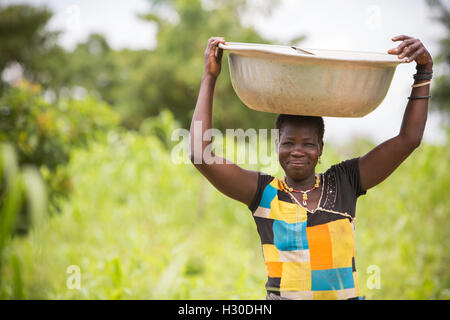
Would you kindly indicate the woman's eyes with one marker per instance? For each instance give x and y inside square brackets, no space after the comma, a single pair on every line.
[305,144]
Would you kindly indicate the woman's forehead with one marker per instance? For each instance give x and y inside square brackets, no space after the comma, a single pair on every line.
[299,131]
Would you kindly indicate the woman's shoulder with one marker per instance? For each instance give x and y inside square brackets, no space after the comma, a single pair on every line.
[346,174]
[265,181]
[344,167]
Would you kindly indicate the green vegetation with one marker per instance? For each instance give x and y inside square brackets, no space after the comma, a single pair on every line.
[43,134]
[141,227]
[18,186]
[136,83]
[441,86]
[92,205]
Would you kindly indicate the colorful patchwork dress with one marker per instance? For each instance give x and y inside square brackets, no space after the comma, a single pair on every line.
[310,255]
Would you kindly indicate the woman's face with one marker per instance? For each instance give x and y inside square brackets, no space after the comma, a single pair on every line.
[299,150]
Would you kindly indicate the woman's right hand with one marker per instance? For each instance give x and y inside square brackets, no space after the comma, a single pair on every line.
[213,56]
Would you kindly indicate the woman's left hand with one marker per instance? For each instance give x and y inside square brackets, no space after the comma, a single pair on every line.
[413,49]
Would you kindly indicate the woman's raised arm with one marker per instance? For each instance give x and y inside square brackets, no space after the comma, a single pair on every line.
[380,162]
[227,177]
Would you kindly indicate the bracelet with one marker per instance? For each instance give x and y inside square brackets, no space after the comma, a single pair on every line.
[424,72]
[419,70]
[423,76]
[419,97]
[420,84]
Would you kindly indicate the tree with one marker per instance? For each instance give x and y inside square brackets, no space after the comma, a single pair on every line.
[441,85]
[25,40]
[173,70]
[138,83]
[43,135]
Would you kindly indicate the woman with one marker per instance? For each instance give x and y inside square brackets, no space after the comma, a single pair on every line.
[306,220]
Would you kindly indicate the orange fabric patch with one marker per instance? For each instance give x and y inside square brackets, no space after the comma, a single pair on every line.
[319,242]
[274,269]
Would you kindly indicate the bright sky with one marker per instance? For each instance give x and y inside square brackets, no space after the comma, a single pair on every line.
[363,25]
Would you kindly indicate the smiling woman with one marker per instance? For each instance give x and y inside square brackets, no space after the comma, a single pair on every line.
[300,146]
[306,220]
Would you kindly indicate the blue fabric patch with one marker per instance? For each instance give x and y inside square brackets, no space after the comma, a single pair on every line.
[332,279]
[289,236]
[268,195]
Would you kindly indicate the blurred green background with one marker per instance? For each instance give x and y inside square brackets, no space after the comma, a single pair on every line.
[89,186]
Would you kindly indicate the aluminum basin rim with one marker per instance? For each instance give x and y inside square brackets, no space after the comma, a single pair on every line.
[238,47]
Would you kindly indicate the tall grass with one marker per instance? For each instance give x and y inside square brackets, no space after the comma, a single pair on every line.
[18,186]
[139,226]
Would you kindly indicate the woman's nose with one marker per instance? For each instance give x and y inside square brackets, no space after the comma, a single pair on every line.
[297,152]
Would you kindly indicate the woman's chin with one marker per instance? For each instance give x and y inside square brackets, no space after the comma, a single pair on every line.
[299,172]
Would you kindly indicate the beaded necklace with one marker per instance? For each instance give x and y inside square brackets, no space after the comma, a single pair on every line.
[288,190]
[304,193]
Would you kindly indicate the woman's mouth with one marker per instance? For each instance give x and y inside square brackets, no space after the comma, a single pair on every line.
[297,163]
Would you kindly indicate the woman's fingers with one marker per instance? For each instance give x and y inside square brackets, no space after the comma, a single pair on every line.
[411,48]
[413,51]
[407,47]
[407,51]
[213,44]
[393,51]
[405,44]
[214,41]
[219,54]
[419,55]
[218,51]
[402,37]
[213,56]
[405,39]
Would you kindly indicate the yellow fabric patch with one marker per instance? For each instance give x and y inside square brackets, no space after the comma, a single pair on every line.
[275,212]
[355,280]
[341,234]
[325,295]
[286,211]
[270,253]
[274,183]
[296,276]
[291,212]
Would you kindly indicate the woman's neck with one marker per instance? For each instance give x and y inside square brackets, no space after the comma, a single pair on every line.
[302,184]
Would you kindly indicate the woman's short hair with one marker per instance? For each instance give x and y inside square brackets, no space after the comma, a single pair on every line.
[317,122]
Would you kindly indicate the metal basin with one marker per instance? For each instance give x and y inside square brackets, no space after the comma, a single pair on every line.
[316,82]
